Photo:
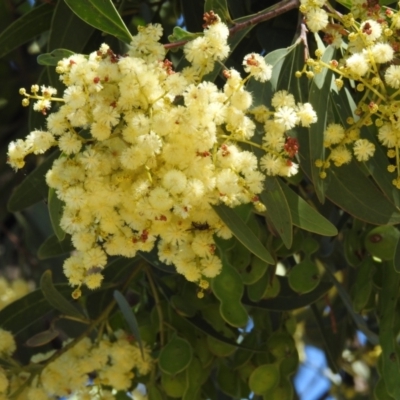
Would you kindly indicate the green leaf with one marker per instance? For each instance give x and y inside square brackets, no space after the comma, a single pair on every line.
[264,378]
[358,319]
[52,247]
[25,28]
[42,338]
[357,194]
[388,329]
[377,166]
[293,62]
[327,336]
[227,286]
[115,273]
[56,299]
[129,317]
[67,31]
[55,210]
[181,34]
[287,299]
[219,7]
[262,91]
[319,93]
[306,217]
[175,356]
[21,314]
[243,233]
[33,188]
[102,15]
[54,57]
[278,211]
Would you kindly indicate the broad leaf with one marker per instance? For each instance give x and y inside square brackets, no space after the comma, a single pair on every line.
[33,188]
[129,317]
[56,299]
[31,24]
[306,217]
[243,233]
[287,299]
[175,356]
[102,15]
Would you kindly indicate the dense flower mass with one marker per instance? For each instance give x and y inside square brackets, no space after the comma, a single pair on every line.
[147,152]
[84,370]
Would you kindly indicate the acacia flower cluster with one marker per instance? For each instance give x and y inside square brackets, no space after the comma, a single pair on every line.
[147,152]
[367,39]
[84,370]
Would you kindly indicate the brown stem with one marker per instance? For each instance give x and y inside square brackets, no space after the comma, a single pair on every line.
[264,15]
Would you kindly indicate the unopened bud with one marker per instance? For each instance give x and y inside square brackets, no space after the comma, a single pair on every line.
[391,153]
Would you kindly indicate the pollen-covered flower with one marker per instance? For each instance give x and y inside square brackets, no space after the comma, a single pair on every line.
[317,19]
[333,134]
[357,64]
[392,76]
[286,116]
[363,149]
[255,65]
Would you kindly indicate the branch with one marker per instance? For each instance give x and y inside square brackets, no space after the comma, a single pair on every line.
[264,15]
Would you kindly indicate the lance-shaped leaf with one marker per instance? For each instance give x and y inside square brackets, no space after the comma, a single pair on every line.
[56,299]
[243,233]
[219,7]
[129,317]
[54,57]
[388,329]
[42,338]
[306,217]
[55,209]
[21,314]
[67,31]
[52,247]
[25,28]
[278,211]
[102,15]
[358,319]
[357,194]
[33,188]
